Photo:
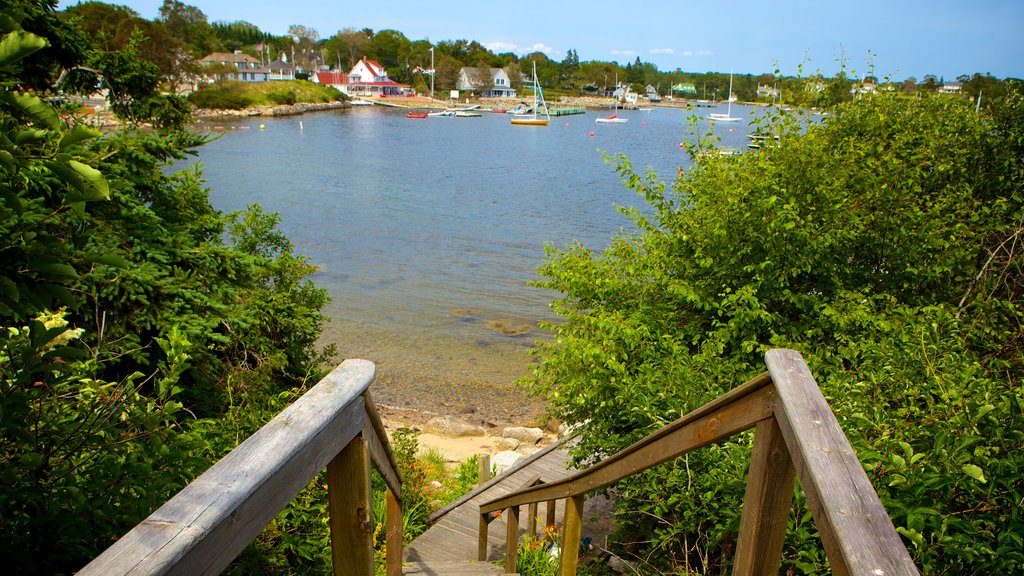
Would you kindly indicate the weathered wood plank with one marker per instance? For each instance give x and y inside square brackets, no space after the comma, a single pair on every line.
[766,503]
[348,501]
[856,531]
[393,537]
[380,451]
[752,404]
[572,528]
[204,527]
[511,539]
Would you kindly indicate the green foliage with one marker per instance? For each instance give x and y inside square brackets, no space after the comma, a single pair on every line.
[83,458]
[175,340]
[221,96]
[884,245]
[535,558]
[234,95]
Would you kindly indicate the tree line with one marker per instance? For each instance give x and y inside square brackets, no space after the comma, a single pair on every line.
[181,34]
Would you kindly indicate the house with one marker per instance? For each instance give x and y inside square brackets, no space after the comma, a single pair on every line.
[487,82]
[685,89]
[369,78]
[236,66]
[280,70]
[766,91]
[950,88]
[337,80]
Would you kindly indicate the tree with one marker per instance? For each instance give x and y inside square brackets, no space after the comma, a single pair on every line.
[304,40]
[124,299]
[189,26]
[346,47]
[390,48]
[113,28]
[65,44]
[901,286]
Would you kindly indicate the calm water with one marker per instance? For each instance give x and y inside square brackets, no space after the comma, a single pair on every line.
[427,231]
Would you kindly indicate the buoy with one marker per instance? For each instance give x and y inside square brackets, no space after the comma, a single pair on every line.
[643,123]
[262,127]
[566,124]
[591,134]
[300,124]
[682,144]
[732,129]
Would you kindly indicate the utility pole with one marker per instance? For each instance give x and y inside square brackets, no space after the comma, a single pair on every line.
[431,72]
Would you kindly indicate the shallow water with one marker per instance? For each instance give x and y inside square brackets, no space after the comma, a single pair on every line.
[427,231]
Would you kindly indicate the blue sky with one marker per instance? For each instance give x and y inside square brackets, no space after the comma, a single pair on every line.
[902,38]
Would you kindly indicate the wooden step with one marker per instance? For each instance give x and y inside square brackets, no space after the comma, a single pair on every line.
[462,568]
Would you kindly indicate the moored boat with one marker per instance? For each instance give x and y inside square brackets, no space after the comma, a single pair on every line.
[613,119]
[533,118]
[416,115]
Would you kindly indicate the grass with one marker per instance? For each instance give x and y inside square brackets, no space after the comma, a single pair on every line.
[235,95]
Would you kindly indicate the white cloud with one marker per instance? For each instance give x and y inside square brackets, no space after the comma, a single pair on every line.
[689,53]
[499,47]
[539,47]
[662,51]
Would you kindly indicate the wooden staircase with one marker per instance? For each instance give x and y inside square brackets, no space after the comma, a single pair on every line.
[453,536]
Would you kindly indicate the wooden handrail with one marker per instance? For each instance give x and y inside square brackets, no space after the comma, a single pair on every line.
[207,524]
[796,435]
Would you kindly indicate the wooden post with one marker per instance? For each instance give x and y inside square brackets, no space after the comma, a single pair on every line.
[766,503]
[512,540]
[484,469]
[394,535]
[531,519]
[549,516]
[481,547]
[348,501]
[572,529]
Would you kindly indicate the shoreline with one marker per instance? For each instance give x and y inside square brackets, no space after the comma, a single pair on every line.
[457,449]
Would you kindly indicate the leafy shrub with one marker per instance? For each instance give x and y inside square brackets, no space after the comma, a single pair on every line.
[884,244]
[282,98]
[224,96]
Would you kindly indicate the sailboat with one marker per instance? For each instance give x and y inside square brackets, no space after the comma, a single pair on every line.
[533,119]
[727,117]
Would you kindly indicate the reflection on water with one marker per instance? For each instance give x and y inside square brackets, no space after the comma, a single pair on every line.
[427,232]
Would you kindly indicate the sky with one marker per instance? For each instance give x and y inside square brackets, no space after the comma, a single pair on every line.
[894,39]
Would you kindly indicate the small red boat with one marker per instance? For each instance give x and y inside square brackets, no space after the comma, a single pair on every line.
[499,110]
[416,115]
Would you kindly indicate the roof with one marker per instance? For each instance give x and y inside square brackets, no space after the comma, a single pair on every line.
[481,77]
[228,57]
[375,67]
[332,78]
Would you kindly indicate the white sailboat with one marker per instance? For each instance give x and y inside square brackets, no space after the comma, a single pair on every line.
[533,119]
[727,117]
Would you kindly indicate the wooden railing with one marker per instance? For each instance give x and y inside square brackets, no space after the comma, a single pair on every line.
[206,525]
[796,434]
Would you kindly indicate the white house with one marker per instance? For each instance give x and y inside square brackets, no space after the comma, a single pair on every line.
[369,78]
[951,88]
[244,68]
[487,82]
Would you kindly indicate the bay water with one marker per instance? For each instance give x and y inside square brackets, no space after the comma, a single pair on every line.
[427,232]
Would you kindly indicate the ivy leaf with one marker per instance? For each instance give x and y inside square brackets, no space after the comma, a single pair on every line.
[974,472]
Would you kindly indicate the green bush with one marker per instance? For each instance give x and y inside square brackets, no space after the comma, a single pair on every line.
[225,96]
[884,244]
